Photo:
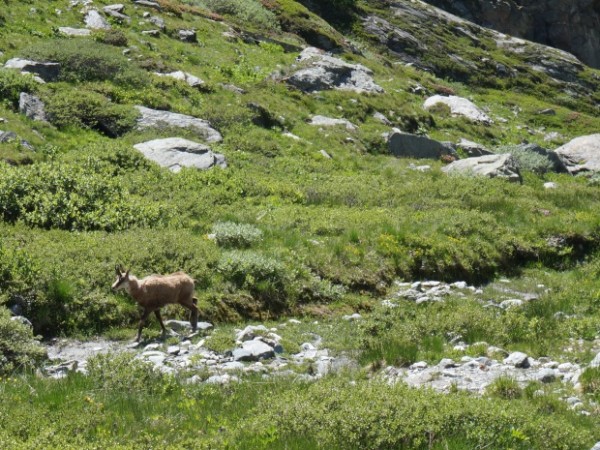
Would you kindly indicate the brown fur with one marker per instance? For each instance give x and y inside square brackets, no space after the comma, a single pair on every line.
[156,291]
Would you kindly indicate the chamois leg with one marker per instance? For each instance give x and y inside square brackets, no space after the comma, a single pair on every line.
[162,325]
[145,315]
[191,305]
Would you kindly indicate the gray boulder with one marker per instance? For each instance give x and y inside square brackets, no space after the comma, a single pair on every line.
[253,351]
[582,154]
[94,21]
[153,118]
[399,42]
[472,148]
[116,12]
[190,79]
[492,166]
[187,35]
[518,359]
[175,153]
[75,32]
[459,107]
[405,145]
[321,71]
[322,121]
[47,71]
[32,107]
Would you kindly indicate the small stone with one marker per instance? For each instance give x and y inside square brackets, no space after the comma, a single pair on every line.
[518,359]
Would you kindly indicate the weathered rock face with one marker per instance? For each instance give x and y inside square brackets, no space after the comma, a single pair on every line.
[322,71]
[47,71]
[459,107]
[154,118]
[175,153]
[405,145]
[32,107]
[582,154]
[492,166]
[570,25]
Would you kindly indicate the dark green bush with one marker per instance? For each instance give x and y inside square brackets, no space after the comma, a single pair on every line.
[91,110]
[113,37]
[86,60]
[12,83]
[239,235]
[49,195]
[18,347]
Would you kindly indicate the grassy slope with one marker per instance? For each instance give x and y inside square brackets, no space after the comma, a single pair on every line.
[350,224]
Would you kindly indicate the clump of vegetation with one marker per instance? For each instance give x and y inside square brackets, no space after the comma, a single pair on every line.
[19,350]
[87,60]
[245,11]
[529,160]
[49,195]
[90,110]
[238,235]
[12,83]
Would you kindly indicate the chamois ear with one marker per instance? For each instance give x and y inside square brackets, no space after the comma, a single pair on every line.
[117,271]
[127,273]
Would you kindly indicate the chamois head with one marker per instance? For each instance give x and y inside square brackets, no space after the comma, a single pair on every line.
[122,281]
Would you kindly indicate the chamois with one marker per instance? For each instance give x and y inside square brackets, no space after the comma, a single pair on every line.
[156,291]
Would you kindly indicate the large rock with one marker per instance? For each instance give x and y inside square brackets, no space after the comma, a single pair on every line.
[322,121]
[154,118]
[190,79]
[321,71]
[570,25]
[175,153]
[493,166]
[398,41]
[47,71]
[95,21]
[582,154]
[253,351]
[557,163]
[459,107]
[32,107]
[75,32]
[407,145]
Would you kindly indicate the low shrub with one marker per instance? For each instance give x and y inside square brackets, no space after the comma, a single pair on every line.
[238,235]
[87,60]
[250,12]
[18,348]
[50,195]
[528,160]
[90,110]
[12,83]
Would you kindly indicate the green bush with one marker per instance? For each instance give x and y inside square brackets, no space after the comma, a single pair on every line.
[373,415]
[239,235]
[87,60]
[590,381]
[50,195]
[90,110]
[528,160]
[122,372]
[18,347]
[250,12]
[113,37]
[12,83]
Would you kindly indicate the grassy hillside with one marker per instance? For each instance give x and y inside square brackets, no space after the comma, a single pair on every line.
[284,230]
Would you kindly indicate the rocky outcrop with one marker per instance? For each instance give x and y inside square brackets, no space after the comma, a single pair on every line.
[570,25]
[582,154]
[190,79]
[47,71]
[176,153]
[405,145]
[322,121]
[32,107]
[492,166]
[459,107]
[320,71]
[154,118]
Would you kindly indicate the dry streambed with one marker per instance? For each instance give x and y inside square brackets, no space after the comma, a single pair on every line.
[258,350]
